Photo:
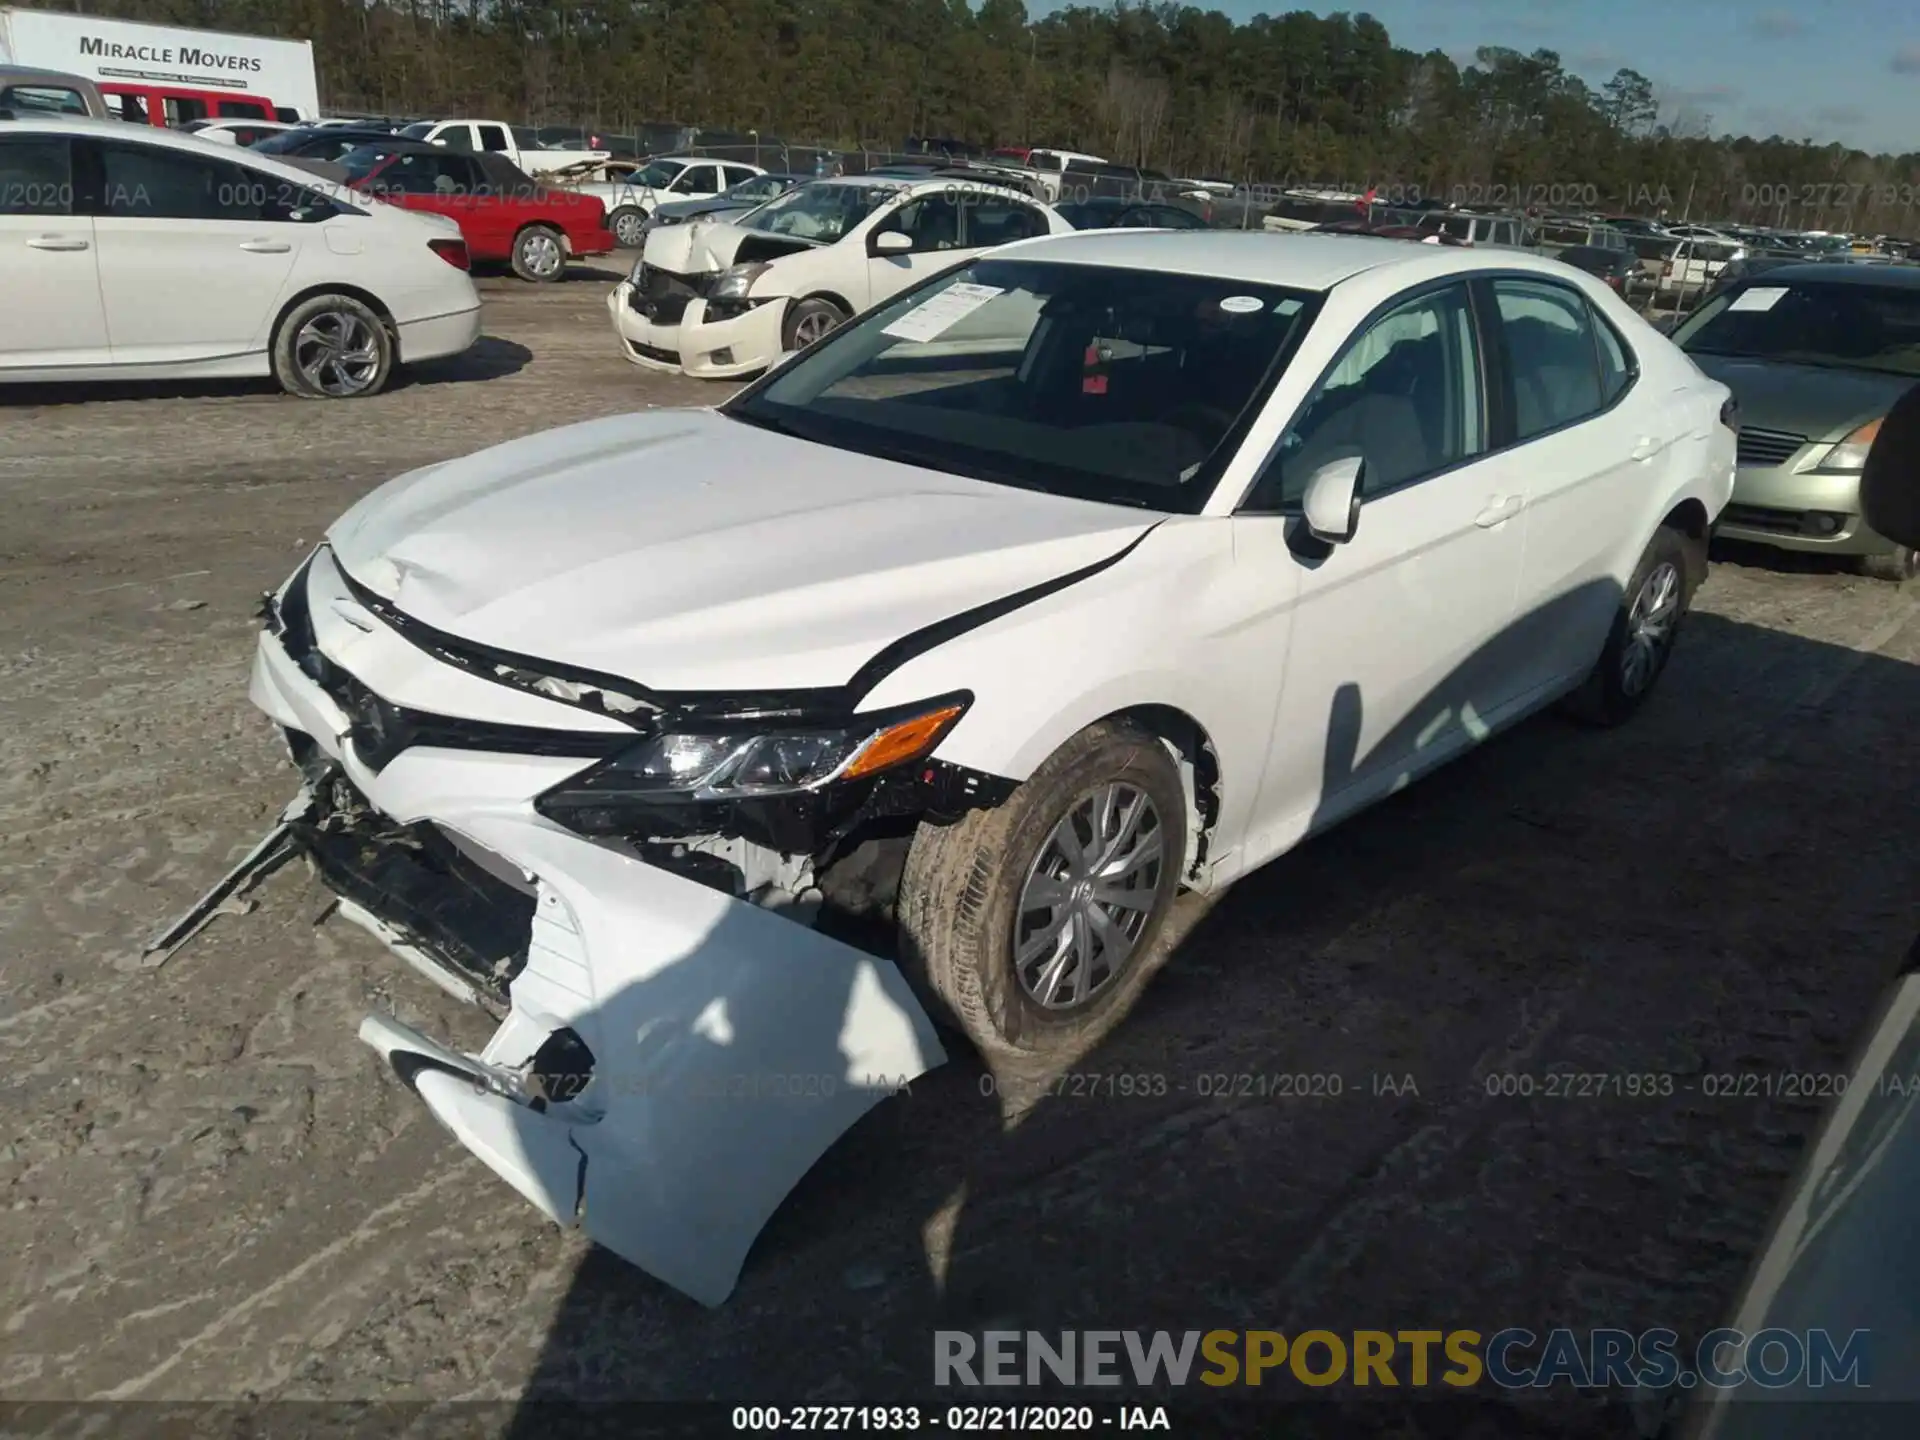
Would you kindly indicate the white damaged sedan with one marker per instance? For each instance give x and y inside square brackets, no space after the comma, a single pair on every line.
[1101,567]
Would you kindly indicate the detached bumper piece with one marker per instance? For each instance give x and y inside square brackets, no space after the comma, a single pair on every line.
[671,1061]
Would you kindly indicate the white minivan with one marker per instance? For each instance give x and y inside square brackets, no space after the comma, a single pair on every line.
[143,254]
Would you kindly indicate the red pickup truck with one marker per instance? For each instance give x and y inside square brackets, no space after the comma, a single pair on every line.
[504,213]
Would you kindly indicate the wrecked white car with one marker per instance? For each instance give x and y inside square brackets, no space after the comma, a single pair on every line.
[632,194]
[723,299]
[1099,567]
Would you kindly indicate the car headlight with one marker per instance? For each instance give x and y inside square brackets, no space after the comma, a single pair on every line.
[736,280]
[742,760]
[1851,453]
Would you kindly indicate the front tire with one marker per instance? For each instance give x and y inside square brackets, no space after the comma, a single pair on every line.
[539,254]
[628,225]
[1897,566]
[1645,627]
[333,347]
[1031,926]
[808,321]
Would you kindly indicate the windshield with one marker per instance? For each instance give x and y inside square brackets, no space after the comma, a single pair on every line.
[1841,326]
[286,140]
[657,174]
[822,211]
[418,132]
[760,187]
[1120,385]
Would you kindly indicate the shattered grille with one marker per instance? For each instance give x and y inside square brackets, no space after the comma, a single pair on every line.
[663,296]
[415,880]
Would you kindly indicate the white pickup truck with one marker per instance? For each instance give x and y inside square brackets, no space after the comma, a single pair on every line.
[497,138]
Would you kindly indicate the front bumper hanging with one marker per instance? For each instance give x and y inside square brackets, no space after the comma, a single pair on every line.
[670,1061]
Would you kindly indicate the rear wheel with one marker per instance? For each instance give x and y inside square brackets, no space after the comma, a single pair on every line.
[539,254]
[1645,627]
[809,320]
[332,347]
[1899,565]
[628,225]
[1031,925]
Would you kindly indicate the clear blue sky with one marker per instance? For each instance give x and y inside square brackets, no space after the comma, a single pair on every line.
[1845,70]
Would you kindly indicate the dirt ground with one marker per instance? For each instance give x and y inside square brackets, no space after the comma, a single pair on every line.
[209,1189]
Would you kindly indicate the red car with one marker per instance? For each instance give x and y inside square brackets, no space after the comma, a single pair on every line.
[504,213]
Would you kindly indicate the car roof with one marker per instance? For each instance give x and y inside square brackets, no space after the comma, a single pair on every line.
[123,130]
[83,125]
[40,72]
[1302,260]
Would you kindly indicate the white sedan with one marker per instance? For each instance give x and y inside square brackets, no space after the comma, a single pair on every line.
[136,253]
[719,300]
[631,196]
[1097,569]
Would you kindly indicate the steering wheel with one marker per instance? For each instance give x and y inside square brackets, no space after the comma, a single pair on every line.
[1209,422]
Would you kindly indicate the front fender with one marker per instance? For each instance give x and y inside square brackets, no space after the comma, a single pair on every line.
[1174,625]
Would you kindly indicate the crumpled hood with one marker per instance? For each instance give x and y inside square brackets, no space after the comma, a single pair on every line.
[686,551]
[693,248]
[1810,400]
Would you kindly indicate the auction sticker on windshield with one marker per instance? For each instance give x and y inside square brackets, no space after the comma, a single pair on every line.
[932,319]
[1763,297]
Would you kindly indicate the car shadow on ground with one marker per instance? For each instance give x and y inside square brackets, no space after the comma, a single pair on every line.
[501,277]
[1630,900]
[489,358]
[1755,556]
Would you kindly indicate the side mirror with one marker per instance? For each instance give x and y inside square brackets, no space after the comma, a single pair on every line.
[890,242]
[1331,505]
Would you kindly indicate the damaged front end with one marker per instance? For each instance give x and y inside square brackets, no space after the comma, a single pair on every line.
[674,1052]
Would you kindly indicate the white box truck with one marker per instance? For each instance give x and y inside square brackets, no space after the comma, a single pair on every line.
[166,74]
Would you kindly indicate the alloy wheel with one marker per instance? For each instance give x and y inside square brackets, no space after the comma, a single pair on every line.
[1087,897]
[1651,622]
[811,326]
[337,353]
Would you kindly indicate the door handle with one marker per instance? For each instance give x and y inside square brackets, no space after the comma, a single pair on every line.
[56,242]
[1498,512]
[1648,446]
[266,247]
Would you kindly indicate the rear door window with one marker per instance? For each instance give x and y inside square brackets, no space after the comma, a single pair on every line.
[131,108]
[1616,363]
[42,98]
[494,138]
[184,108]
[1551,353]
[243,110]
[153,182]
[36,175]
